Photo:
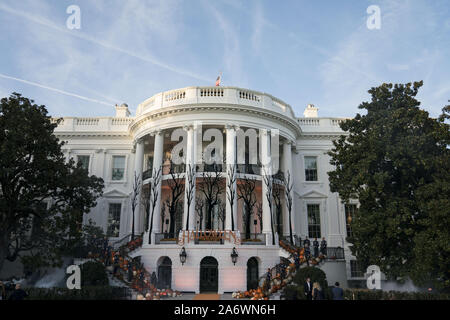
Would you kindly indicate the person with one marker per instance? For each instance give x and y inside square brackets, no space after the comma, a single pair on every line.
[307,254]
[141,279]
[18,293]
[337,292]
[308,289]
[116,263]
[153,279]
[317,292]
[2,291]
[296,261]
[130,271]
[323,246]
[306,242]
[316,248]
[268,279]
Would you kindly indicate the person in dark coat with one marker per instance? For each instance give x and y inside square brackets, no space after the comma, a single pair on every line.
[337,292]
[308,289]
[2,291]
[316,248]
[18,293]
[268,278]
[307,254]
[130,271]
[306,242]
[323,246]
[116,263]
[317,292]
[153,279]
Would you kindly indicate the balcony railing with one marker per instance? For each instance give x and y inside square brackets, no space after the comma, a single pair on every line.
[174,168]
[254,239]
[248,169]
[165,238]
[147,174]
[210,167]
[335,253]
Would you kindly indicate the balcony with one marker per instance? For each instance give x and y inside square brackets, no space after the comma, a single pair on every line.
[255,239]
[249,169]
[220,95]
[165,238]
[335,254]
[147,174]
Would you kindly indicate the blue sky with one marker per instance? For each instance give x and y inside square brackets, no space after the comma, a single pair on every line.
[302,52]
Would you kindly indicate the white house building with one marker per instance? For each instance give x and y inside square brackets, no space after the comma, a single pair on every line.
[193,118]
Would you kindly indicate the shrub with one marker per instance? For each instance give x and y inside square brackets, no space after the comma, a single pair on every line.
[292,292]
[365,294]
[85,293]
[93,274]
[316,275]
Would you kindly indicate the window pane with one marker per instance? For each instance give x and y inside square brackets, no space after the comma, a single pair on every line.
[311,168]
[355,269]
[118,167]
[350,210]
[114,220]
[84,161]
[313,221]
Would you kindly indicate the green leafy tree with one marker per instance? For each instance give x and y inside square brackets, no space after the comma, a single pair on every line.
[395,162]
[42,196]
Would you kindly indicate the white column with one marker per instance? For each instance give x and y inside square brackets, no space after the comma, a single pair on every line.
[230,160]
[287,168]
[191,147]
[266,170]
[138,166]
[157,163]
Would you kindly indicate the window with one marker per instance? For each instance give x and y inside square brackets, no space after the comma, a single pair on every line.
[114,220]
[311,168]
[313,221]
[355,269]
[350,210]
[118,169]
[84,162]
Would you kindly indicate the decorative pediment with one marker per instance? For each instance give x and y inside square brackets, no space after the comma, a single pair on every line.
[313,194]
[114,194]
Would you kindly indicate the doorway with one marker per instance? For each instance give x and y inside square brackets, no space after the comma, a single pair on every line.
[209,275]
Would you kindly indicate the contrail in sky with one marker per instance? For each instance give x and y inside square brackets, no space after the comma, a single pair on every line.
[146,58]
[54,89]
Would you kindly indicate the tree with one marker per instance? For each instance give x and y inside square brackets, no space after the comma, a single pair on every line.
[246,193]
[190,189]
[134,199]
[173,202]
[42,196]
[231,190]
[288,185]
[211,188]
[150,199]
[221,213]
[395,162]
[259,215]
[277,196]
[199,205]
[268,181]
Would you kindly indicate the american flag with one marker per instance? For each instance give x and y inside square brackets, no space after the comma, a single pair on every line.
[218,81]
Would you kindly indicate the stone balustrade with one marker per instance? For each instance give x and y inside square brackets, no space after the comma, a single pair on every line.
[215,95]
[95,124]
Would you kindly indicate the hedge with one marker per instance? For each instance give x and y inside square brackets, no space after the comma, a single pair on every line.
[365,294]
[85,293]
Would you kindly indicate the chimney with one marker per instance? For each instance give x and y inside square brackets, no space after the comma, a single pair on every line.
[310,111]
[122,111]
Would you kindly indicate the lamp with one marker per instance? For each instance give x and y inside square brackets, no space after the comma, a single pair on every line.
[234,256]
[183,256]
